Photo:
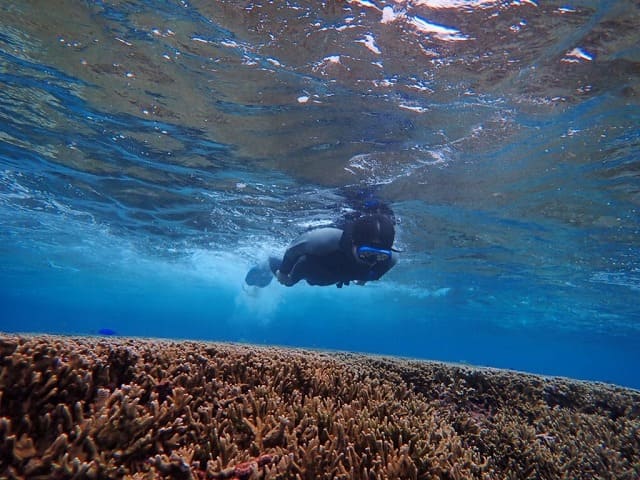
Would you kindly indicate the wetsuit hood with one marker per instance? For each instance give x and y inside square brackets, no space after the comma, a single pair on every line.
[374,231]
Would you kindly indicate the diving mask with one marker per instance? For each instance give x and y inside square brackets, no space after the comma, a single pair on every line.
[372,254]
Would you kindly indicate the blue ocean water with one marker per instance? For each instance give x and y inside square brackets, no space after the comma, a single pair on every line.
[152,152]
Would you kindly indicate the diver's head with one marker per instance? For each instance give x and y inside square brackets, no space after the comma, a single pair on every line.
[372,238]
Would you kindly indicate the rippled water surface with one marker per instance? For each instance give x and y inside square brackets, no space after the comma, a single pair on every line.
[151,152]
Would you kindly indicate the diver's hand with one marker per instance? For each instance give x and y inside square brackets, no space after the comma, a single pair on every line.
[284,279]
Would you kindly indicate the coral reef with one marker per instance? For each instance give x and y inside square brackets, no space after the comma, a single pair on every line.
[102,408]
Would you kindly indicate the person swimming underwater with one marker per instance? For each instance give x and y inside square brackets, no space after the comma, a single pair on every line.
[361,251]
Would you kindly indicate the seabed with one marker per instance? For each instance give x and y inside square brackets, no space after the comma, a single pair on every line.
[101,408]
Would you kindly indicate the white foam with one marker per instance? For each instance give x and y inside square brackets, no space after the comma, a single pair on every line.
[314,223]
[413,108]
[577,55]
[370,43]
[365,3]
[255,305]
[440,31]
[389,15]
[455,4]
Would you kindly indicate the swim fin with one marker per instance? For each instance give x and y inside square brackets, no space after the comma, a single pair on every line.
[259,276]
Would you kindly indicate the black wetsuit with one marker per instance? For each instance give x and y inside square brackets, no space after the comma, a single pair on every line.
[324,257]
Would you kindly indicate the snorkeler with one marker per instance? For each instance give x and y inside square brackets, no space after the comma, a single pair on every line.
[361,251]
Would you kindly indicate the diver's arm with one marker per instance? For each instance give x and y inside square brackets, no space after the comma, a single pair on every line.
[291,257]
[294,275]
[285,279]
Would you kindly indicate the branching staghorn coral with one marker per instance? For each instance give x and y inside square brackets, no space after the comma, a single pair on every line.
[115,408]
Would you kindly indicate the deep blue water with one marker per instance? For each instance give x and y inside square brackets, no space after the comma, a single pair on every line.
[152,152]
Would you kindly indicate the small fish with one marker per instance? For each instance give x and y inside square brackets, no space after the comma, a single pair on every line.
[107,331]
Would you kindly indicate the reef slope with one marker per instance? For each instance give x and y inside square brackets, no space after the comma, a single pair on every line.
[99,408]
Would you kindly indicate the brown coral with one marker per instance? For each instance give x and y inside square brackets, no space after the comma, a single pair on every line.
[98,408]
